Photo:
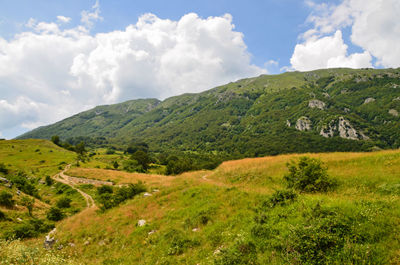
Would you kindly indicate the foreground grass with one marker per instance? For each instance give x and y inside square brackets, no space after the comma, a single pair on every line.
[223,216]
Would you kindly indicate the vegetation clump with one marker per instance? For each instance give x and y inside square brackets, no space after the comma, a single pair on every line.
[55,214]
[309,175]
[110,197]
[64,202]
[6,199]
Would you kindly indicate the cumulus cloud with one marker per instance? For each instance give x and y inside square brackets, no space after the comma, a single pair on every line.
[327,52]
[49,73]
[63,19]
[374,27]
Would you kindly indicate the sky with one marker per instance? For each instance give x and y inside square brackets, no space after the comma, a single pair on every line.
[58,58]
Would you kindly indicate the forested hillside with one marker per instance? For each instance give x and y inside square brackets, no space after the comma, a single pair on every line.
[318,111]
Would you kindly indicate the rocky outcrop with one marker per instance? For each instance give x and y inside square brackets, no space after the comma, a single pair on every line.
[50,239]
[303,124]
[347,131]
[344,128]
[394,112]
[315,103]
[329,129]
[369,100]
[288,124]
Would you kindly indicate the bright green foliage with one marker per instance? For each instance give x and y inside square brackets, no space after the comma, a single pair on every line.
[6,199]
[111,197]
[28,229]
[55,214]
[282,197]
[64,202]
[309,175]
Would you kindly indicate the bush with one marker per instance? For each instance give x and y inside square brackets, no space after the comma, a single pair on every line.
[2,216]
[104,189]
[64,202]
[309,175]
[29,229]
[109,197]
[282,197]
[3,168]
[6,199]
[55,214]
[49,181]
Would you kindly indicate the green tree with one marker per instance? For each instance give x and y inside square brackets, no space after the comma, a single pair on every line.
[64,202]
[80,148]
[309,175]
[49,181]
[55,214]
[55,139]
[115,164]
[142,158]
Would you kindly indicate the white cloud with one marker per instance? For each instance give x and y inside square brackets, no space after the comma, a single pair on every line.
[327,52]
[49,73]
[374,26]
[88,18]
[63,19]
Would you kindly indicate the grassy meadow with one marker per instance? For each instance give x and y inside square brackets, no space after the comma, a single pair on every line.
[226,216]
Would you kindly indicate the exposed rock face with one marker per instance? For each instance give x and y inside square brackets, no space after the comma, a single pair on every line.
[396,99]
[50,239]
[315,103]
[303,124]
[346,130]
[369,100]
[329,130]
[394,112]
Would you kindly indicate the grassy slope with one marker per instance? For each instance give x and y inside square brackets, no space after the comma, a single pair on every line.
[221,203]
[37,159]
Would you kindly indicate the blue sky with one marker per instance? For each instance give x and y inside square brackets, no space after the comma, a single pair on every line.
[270,27]
[58,58]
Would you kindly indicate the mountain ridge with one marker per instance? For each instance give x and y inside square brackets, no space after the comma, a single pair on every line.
[323,110]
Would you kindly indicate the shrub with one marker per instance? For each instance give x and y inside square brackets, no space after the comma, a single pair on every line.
[6,199]
[64,202]
[28,203]
[104,189]
[3,168]
[55,214]
[49,181]
[282,197]
[2,216]
[309,175]
[29,229]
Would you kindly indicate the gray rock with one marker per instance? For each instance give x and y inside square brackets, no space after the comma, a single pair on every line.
[3,180]
[329,129]
[86,243]
[369,100]
[396,99]
[288,124]
[50,239]
[72,245]
[394,112]
[141,223]
[326,95]
[346,130]
[146,194]
[303,124]
[315,103]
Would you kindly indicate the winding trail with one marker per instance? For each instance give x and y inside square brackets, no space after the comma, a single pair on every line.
[71,181]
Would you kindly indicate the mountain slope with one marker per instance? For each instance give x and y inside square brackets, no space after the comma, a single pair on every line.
[323,110]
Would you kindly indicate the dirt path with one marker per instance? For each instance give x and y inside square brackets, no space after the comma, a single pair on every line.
[72,181]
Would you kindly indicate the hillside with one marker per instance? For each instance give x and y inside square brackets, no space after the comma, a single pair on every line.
[226,216]
[318,111]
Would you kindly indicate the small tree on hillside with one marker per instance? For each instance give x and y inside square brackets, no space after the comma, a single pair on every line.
[309,175]
[55,139]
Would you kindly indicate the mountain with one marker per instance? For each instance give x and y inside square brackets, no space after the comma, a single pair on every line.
[317,111]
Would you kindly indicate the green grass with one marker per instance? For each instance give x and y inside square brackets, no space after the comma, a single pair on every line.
[224,219]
